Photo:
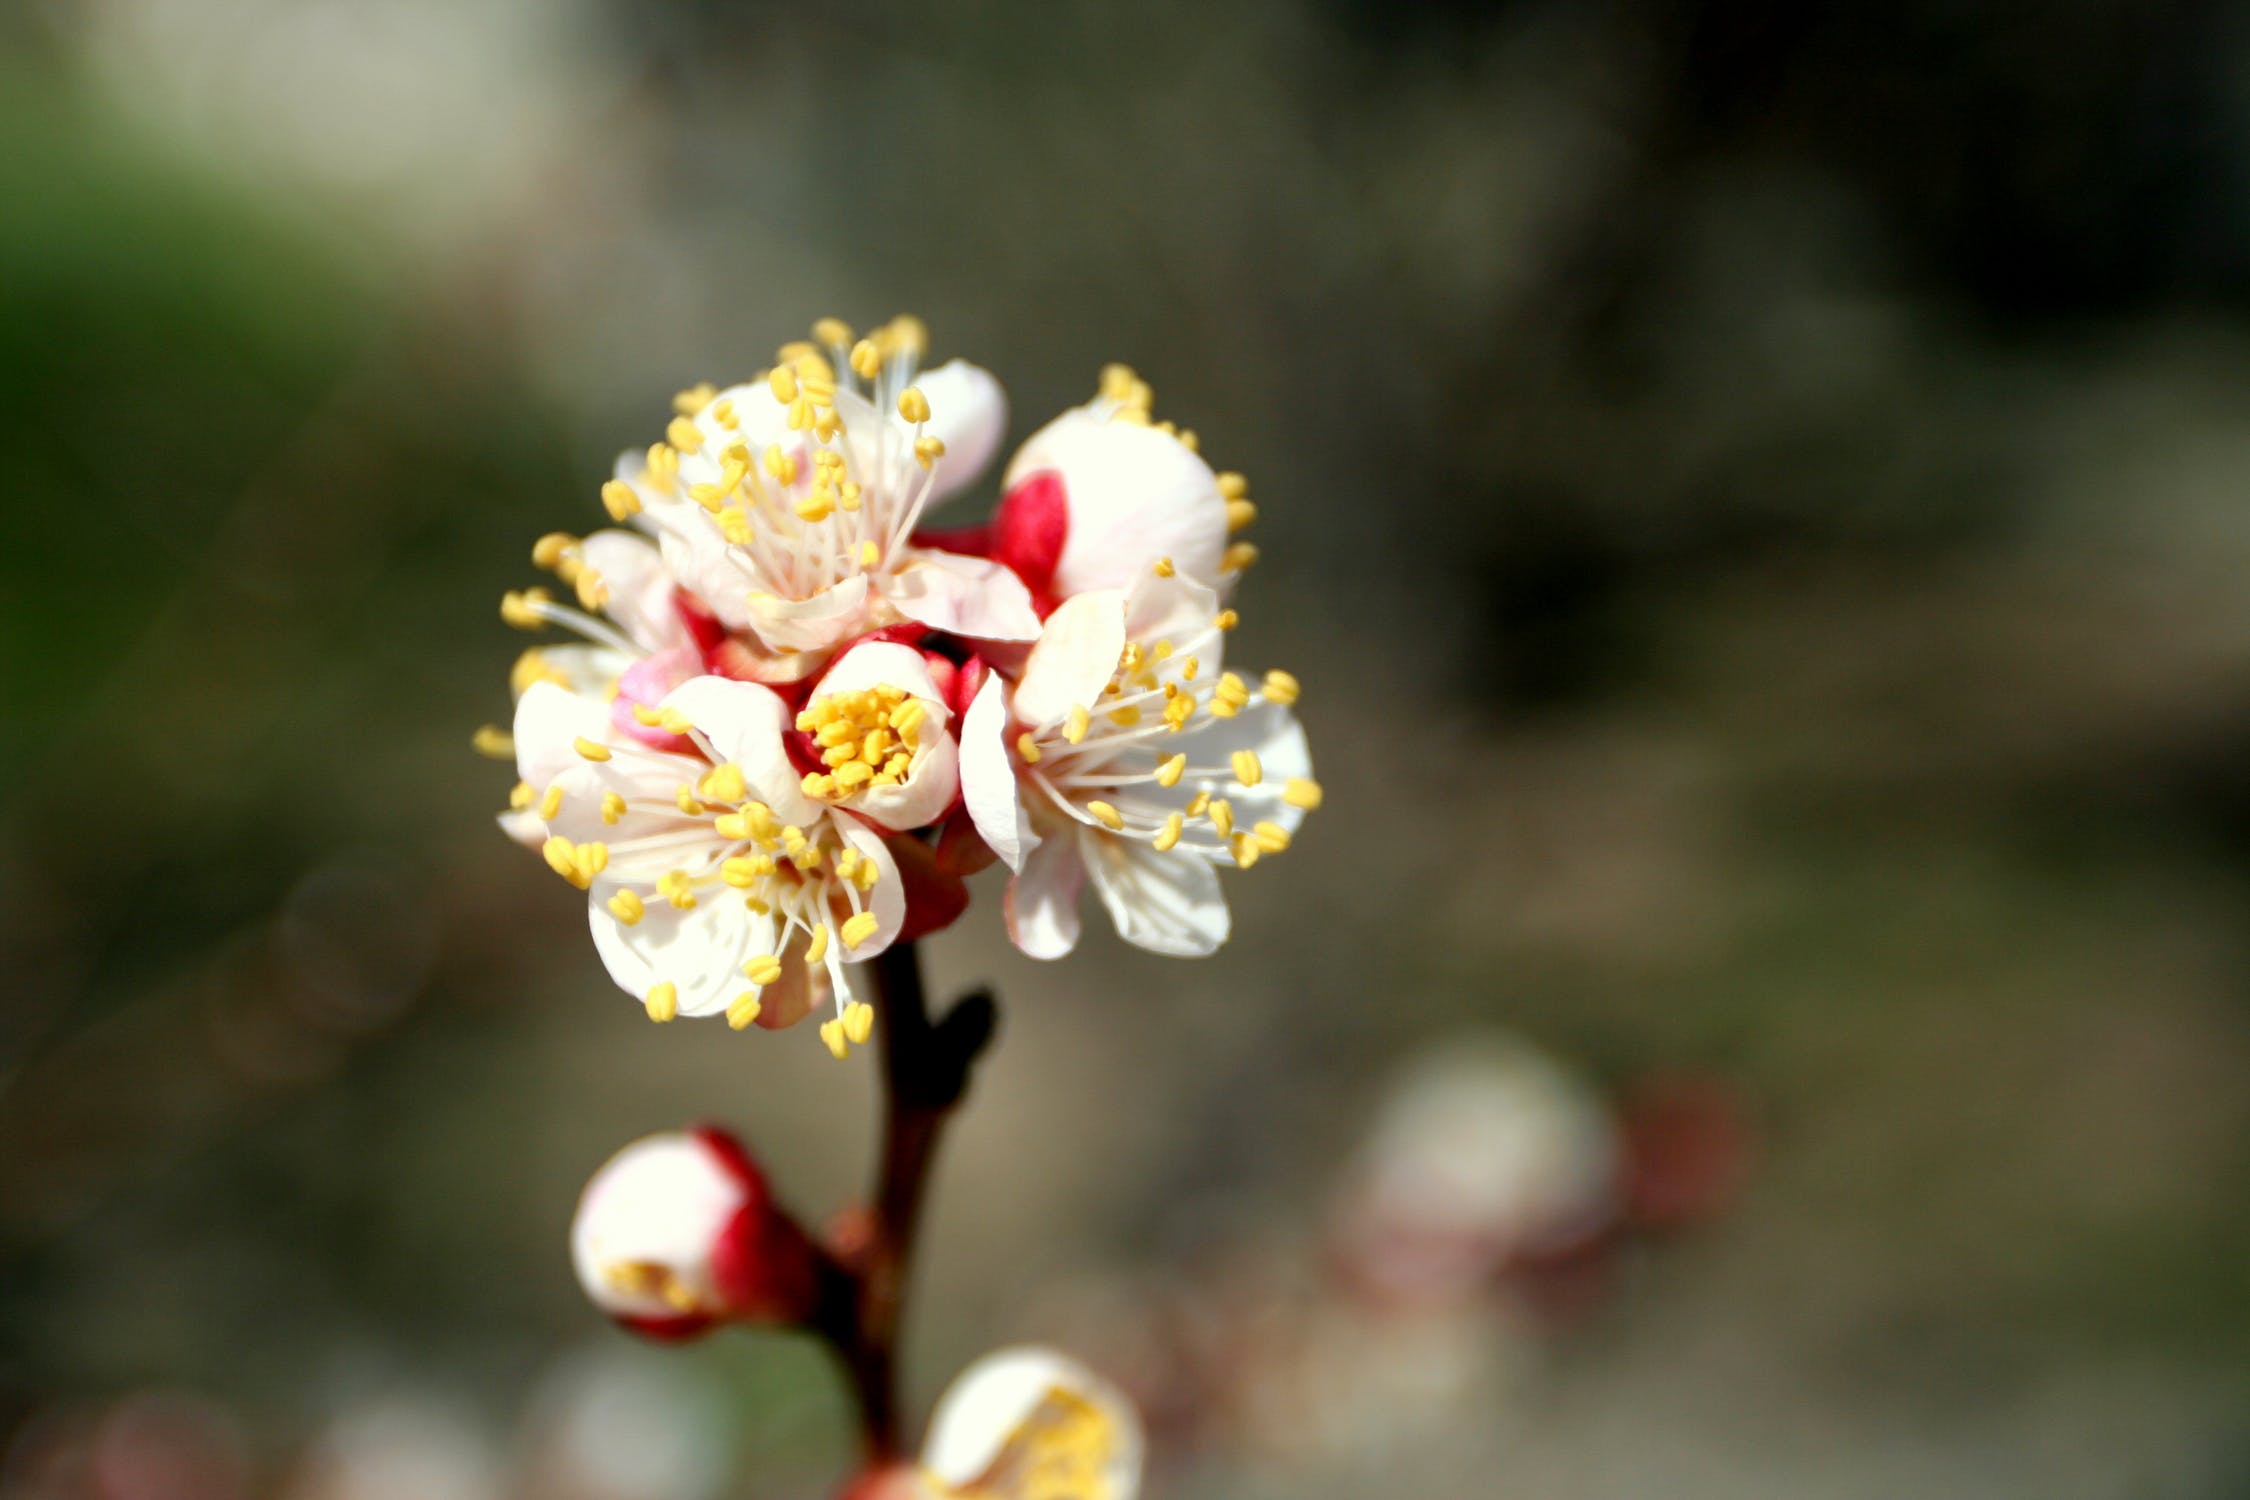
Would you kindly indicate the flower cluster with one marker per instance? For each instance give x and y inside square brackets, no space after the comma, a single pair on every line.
[799,718]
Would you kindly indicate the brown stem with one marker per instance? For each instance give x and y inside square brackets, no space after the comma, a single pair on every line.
[925,1072]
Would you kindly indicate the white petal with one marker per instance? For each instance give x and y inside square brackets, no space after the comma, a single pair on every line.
[697,557]
[1179,610]
[997,1415]
[1074,660]
[586,669]
[549,723]
[744,723]
[1042,903]
[886,898]
[1267,729]
[641,779]
[827,618]
[988,777]
[927,791]
[969,413]
[1134,495]
[884,664]
[700,951]
[1167,903]
[640,589]
[968,596]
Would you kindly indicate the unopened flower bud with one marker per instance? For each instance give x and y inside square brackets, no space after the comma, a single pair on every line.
[678,1232]
[1028,1421]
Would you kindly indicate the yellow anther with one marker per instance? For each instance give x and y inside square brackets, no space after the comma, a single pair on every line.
[723,783]
[817,948]
[1170,772]
[550,802]
[763,970]
[551,550]
[814,507]
[832,1033]
[1125,717]
[1232,689]
[674,886]
[672,721]
[801,414]
[1075,727]
[859,1021]
[591,859]
[1169,834]
[1164,567]
[1221,814]
[928,450]
[533,666]
[781,465]
[1117,381]
[818,787]
[866,875]
[663,465]
[1240,514]
[739,871]
[783,383]
[1227,619]
[491,740]
[684,435]
[734,525]
[859,927]
[869,553]
[832,331]
[1233,485]
[913,405]
[522,795]
[1237,557]
[1246,767]
[743,1012]
[866,360]
[907,334]
[724,414]
[521,608]
[1245,850]
[692,400]
[1028,748]
[854,774]
[1191,668]
[562,857]
[592,750]
[1109,817]
[1301,791]
[1189,440]
[592,592]
[620,501]
[627,908]
[664,1001]
[1178,709]
[1282,688]
[613,808]
[1272,837]
[849,498]
[808,858]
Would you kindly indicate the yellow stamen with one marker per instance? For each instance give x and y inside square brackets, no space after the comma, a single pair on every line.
[859,928]
[859,1021]
[832,1032]
[743,1013]
[1169,773]
[519,607]
[1301,791]
[1246,767]
[591,749]
[1028,748]
[1169,834]
[1282,688]
[664,1001]
[1109,817]
[913,405]
[493,741]
[550,802]
[613,808]
[1075,727]
[1271,837]
[627,908]
[817,949]
[620,501]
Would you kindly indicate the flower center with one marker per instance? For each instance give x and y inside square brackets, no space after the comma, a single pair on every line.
[865,739]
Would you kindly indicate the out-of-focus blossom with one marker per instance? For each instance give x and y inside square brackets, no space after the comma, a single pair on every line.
[1031,1424]
[1126,756]
[1483,1153]
[678,1232]
[626,1424]
[403,1448]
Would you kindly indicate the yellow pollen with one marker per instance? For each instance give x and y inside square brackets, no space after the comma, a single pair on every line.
[866,360]
[1125,717]
[869,554]
[1227,619]
[783,382]
[591,749]
[1169,834]
[817,949]
[832,1032]
[867,738]
[1233,485]
[743,1012]
[562,858]
[859,928]
[913,405]
[814,507]
[928,450]
[1282,688]
[832,331]
[1221,814]
[521,796]
[1271,837]
[620,501]
[491,740]
[673,886]
[613,808]
[627,908]
[1246,767]
[1301,791]
[1028,748]
[1109,817]
[550,802]
[692,400]
[1075,727]
[723,413]
[520,608]
[1169,773]
[684,435]
[1190,667]
[723,783]
[1231,689]
[859,1021]
[1237,557]
[664,1001]
[551,550]
[763,970]
[591,860]
[1164,567]
[1240,515]
[673,721]
[1245,850]
[739,871]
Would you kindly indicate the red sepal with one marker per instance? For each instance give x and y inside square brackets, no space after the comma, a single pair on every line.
[670,1330]
[935,898]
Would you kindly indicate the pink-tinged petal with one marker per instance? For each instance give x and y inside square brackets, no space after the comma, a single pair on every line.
[817,622]
[745,723]
[1028,530]
[886,898]
[1042,901]
[797,993]
[988,777]
[969,414]
[885,664]
[550,721]
[646,684]
[697,558]
[1168,903]
[968,596]
[639,588]
[929,788]
[1134,495]
[1074,660]
[700,952]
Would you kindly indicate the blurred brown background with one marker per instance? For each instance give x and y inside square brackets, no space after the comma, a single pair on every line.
[1758,495]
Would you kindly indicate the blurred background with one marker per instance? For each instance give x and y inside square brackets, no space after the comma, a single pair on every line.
[1759,498]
